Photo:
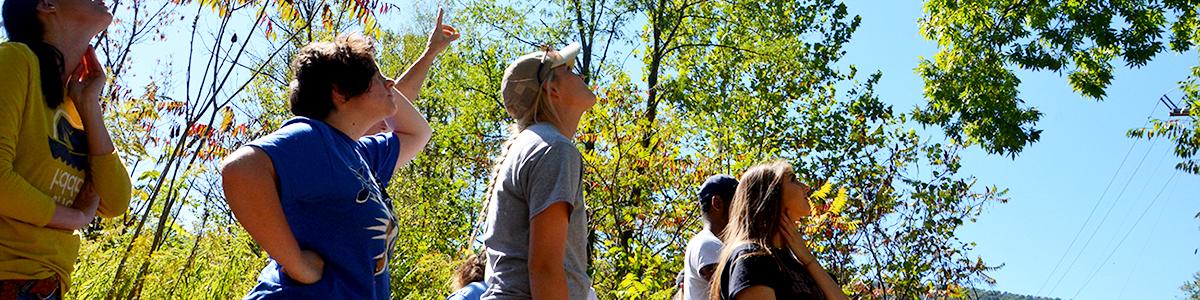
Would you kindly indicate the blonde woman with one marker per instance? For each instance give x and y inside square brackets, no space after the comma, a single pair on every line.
[536,227]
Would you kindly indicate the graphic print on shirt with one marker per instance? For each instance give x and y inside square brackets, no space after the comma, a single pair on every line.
[69,145]
[385,229]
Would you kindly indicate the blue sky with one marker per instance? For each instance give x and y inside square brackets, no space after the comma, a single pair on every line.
[1055,183]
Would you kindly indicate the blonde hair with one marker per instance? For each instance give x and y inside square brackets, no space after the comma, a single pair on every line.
[522,119]
[541,104]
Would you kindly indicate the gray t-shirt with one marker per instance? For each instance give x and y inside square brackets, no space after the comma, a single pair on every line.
[542,168]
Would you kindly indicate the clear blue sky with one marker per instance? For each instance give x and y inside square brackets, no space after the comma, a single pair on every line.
[1055,183]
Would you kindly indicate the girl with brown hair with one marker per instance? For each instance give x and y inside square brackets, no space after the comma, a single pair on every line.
[765,256]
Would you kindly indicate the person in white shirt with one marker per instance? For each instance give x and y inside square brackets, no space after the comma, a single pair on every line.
[704,249]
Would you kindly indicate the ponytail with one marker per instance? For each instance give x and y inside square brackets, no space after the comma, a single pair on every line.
[513,131]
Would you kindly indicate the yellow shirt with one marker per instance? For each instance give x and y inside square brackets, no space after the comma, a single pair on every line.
[43,160]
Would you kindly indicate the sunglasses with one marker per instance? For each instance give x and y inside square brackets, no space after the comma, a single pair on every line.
[575,69]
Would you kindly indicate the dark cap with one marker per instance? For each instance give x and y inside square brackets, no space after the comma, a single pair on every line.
[717,185]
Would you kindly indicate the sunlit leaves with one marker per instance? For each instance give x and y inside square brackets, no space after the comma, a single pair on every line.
[1191,288]
[737,83]
[970,86]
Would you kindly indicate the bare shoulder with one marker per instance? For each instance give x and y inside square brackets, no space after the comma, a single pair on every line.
[247,161]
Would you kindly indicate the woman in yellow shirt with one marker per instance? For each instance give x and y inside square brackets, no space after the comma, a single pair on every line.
[58,166]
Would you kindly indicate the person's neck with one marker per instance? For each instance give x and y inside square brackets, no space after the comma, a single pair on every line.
[72,44]
[568,125]
[351,126]
[713,229]
[779,242]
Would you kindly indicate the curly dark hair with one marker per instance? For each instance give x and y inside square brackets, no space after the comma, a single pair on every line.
[346,65]
[471,270]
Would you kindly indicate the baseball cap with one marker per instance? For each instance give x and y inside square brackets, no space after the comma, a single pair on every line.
[717,185]
[524,77]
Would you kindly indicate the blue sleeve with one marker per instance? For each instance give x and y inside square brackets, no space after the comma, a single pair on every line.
[461,294]
[380,151]
[287,147]
[472,291]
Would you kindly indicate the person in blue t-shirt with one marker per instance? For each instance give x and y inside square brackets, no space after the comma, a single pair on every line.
[311,193]
[468,278]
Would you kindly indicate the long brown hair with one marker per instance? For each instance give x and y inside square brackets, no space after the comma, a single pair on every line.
[755,217]
[22,25]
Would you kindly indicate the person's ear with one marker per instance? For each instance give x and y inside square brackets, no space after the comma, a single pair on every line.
[717,204]
[339,99]
[551,89]
[47,6]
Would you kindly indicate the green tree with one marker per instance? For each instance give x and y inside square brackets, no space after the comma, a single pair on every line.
[971,87]
[726,84]
[977,294]
[715,86]
[171,140]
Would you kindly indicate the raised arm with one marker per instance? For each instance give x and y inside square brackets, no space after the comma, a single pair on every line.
[799,247]
[408,124]
[109,178]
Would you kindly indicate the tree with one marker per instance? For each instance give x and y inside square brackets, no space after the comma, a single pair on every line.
[1192,288]
[977,294]
[727,84]
[714,87]
[971,88]
[172,141]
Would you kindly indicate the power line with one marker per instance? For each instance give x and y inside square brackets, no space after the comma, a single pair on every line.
[1105,217]
[1095,206]
[1153,229]
[1086,221]
[1174,111]
[1146,244]
[1135,223]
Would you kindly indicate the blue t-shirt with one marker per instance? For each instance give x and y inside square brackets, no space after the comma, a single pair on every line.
[330,187]
[470,292]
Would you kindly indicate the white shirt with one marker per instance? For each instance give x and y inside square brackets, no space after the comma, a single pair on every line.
[702,250]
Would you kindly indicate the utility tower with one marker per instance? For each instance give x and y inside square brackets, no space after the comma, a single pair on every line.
[1176,111]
